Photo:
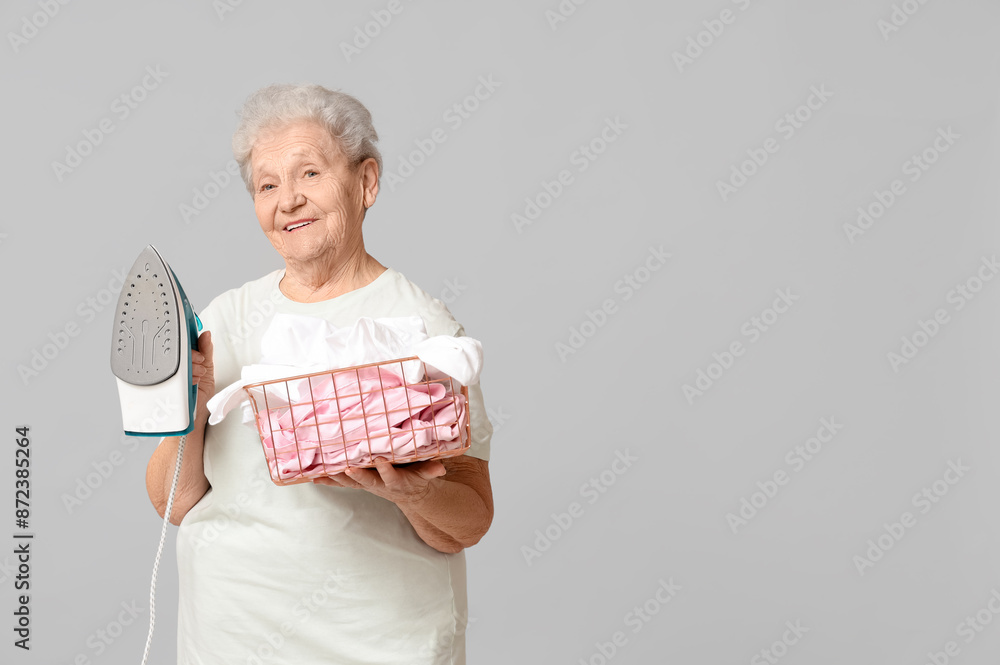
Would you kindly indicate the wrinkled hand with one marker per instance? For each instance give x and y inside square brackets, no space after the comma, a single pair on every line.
[400,484]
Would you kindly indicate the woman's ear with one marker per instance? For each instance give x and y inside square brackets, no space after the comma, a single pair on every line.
[369,181]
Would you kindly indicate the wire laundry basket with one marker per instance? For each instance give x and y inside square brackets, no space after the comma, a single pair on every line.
[319,424]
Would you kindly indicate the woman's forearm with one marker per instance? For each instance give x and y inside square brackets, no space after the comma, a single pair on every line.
[191,485]
[448,502]
[450,517]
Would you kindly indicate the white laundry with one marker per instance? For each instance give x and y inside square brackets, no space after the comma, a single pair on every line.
[458,357]
[294,344]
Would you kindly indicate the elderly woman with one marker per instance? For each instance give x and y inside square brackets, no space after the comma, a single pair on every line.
[363,567]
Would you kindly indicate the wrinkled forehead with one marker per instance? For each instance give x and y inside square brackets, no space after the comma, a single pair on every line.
[294,144]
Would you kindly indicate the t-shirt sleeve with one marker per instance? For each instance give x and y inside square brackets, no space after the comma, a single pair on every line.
[439,321]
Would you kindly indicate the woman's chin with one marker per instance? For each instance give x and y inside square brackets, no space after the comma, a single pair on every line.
[299,252]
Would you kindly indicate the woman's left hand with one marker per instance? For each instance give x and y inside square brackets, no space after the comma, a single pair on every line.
[400,484]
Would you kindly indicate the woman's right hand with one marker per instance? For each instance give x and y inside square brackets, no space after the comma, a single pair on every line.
[203,372]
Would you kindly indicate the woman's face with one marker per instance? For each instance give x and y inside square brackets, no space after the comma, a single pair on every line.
[308,199]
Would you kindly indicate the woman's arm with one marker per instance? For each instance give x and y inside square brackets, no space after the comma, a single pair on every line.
[457,509]
[448,502]
[192,483]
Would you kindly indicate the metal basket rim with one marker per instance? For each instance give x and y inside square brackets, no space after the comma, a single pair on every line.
[334,371]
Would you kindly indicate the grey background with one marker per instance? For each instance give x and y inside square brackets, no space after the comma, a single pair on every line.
[560,422]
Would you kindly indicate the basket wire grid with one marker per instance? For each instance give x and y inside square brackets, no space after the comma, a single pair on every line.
[319,424]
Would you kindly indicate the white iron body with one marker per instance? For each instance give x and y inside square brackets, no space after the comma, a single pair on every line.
[154,333]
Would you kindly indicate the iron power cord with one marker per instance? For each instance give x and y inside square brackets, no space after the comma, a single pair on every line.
[159,550]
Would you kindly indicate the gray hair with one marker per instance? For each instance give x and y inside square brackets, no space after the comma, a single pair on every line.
[346,118]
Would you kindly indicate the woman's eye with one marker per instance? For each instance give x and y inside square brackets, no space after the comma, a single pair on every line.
[263,188]
[312,173]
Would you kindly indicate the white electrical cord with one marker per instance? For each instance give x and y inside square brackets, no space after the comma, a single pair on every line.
[159,550]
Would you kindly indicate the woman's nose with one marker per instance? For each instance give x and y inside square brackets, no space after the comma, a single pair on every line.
[291,197]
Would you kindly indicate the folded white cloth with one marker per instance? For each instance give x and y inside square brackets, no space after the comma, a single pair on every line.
[294,344]
[458,357]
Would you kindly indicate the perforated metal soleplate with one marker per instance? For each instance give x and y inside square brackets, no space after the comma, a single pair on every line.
[145,346]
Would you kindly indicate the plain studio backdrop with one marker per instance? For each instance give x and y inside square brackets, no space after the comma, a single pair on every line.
[733,263]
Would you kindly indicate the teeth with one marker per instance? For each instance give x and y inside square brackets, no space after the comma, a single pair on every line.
[295,226]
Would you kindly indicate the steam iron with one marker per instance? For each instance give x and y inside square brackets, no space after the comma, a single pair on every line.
[155,330]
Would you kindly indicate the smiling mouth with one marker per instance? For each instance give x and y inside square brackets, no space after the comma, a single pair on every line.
[292,227]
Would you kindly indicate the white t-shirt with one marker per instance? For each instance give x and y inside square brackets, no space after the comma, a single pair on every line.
[311,574]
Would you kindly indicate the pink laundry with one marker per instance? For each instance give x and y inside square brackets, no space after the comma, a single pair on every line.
[354,417]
